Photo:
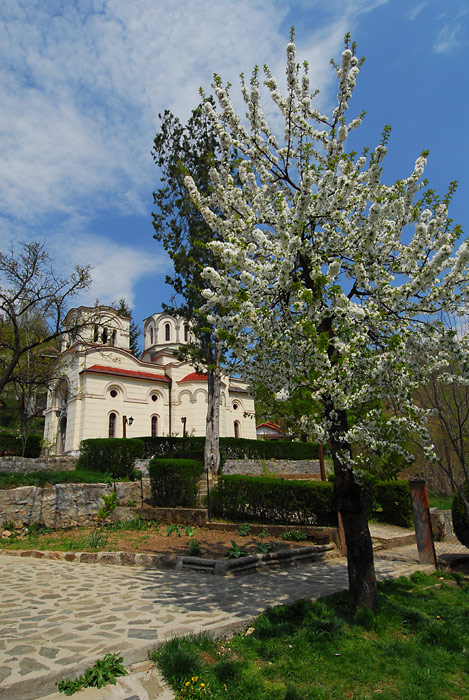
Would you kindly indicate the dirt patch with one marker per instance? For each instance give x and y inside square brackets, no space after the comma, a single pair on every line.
[162,539]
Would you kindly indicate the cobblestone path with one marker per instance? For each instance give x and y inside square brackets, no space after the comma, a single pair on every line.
[57,617]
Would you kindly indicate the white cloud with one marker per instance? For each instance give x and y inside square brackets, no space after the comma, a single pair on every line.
[449,38]
[414,11]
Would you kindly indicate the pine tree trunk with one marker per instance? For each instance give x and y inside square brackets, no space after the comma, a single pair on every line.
[212,432]
[351,505]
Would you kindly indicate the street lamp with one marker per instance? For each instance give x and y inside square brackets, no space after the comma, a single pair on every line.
[183,421]
[126,420]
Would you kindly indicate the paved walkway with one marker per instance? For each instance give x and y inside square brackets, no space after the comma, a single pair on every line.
[57,618]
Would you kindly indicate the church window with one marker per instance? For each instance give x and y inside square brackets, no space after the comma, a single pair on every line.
[167,331]
[186,333]
[235,406]
[151,336]
[237,429]
[113,337]
[96,334]
[112,425]
[154,397]
[104,336]
[113,393]
[154,426]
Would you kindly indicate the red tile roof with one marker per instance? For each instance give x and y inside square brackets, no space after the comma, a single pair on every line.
[270,425]
[194,377]
[132,374]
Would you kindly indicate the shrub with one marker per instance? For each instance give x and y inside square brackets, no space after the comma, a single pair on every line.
[11,444]
[460,521]
[230,448]
[394,499]
[174,482]
[115,456]
[267,499]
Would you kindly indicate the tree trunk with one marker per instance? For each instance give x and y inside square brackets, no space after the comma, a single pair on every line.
[212,431]
[352,507]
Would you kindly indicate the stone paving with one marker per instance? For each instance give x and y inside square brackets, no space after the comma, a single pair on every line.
[58,617]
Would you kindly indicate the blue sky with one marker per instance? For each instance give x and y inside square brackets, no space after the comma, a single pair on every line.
[82,83]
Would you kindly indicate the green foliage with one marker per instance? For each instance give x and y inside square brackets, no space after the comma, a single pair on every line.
[230,448]
[263,499]
[294,536]
[194,549]
[244,530]
[174,482]
[113,455]
[104,671]
[189,530]
[172,527]
[97,540]
[41,478]
[11,444]
[110,504]
[460,520]
[235,551]
[177,659]
[387,500]
[327,649]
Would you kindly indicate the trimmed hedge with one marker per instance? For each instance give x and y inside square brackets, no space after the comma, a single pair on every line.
[231,448]
[459,515]
[174,482]
[11,444]
[394,498]
[273,500]
[115,456]
[43,478]
[387,500]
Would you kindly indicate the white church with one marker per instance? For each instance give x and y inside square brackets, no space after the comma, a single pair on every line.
[105,391]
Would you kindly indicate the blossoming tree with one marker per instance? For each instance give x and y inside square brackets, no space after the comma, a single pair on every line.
[331,279]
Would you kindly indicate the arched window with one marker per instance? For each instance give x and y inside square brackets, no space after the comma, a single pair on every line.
[112,424]
[167,331]
[96,334]
[113,337]
[186,333]
[154,426]
[237,429]
[104,336]
[151,336]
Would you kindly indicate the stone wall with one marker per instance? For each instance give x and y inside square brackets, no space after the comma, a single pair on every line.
[26,465]
[64,505]
[279,467]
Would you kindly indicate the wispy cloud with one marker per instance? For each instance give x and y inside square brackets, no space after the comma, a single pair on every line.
[449,39]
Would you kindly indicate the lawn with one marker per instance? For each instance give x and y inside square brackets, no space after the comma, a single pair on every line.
[435,500]
[416,648]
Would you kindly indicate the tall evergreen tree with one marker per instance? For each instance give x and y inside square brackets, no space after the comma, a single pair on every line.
[134,332]
[179,150]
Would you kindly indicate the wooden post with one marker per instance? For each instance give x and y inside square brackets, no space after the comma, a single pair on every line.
[321,463]
[422,522]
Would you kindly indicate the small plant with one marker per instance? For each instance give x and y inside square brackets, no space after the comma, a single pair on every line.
[263,547]
[189,530]
[10,525]
[110,504]
[244,530]
[294,536]
[38,529]
[235,551]
[173,528]
[265,533]
[97,540]
[194,549]
[195,688]
[104,671]
[131,503]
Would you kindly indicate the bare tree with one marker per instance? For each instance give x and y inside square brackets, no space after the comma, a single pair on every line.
[30,289]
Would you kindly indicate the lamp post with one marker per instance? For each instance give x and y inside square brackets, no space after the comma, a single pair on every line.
[126,420]
[183,421]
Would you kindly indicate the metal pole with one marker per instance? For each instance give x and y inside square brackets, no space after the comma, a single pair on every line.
[208,497]
[124,426]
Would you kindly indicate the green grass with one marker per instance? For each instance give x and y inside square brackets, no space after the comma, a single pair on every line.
[77,476]
[440,502]
[415,648]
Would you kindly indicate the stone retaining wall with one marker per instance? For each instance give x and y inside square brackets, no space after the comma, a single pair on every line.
[26,465]
[64,505]
[266,467]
